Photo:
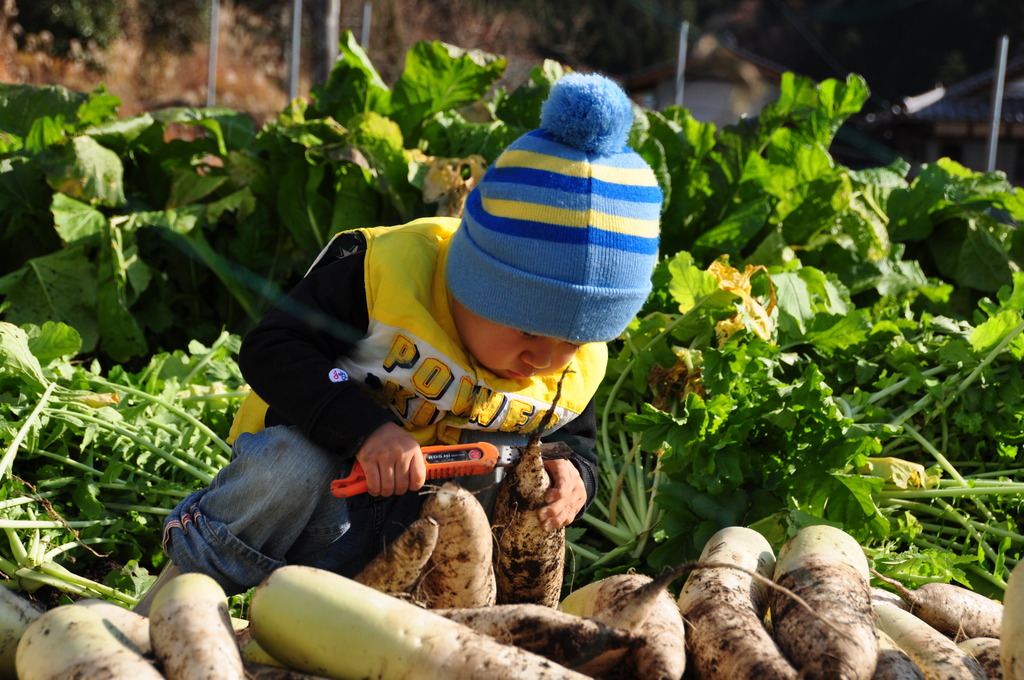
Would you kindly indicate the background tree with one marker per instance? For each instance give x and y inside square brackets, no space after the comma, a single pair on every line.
[162,25]
[68,21]
[902,47]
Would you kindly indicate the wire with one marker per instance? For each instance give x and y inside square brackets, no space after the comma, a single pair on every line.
[789,16]
[840,70]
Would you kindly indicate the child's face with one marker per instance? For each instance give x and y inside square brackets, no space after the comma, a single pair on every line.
[508,352]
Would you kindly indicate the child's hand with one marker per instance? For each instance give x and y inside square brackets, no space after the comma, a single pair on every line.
[566,496]
[392,461]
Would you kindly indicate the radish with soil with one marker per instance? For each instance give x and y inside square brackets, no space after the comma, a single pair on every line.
[319,622]
[826,568]
[936,655]
[724,610]
[958,612]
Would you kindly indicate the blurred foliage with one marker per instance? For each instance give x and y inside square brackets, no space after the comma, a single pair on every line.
[163,25]
[174,25]
[143,240]
[818,40]
[71,20]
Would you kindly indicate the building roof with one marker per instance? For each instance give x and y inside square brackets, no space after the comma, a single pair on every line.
[967,101]
[701,61]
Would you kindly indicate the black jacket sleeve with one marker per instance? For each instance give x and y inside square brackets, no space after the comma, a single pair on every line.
[288,356]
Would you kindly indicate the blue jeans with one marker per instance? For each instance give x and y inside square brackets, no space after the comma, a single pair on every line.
[272,506]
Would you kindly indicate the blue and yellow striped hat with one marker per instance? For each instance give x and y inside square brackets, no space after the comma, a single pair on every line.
[561,235]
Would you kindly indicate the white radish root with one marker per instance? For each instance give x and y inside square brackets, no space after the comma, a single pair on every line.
[252,653]
[643,606]
[191,631]
[16,613]
[132,625]
[826,568]
[529,560]
[258,671]
[724,610]
[986,651]
[460,570]
[936,655]
[319,622]
[888,597]
[583,644]
[1012,638]
[958,612]
[69,642]
[399,566]
[893,662]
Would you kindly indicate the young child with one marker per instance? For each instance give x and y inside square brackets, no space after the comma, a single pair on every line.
[435,331]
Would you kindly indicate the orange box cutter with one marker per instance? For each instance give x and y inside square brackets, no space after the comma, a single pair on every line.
[457,460]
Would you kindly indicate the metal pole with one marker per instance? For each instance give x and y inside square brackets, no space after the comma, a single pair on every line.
[332,31]
[293,61]
[211,77]
[364,36]
[684,32]
[997,101]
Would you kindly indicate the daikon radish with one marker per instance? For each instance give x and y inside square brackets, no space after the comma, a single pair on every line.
[936,655]
[16,613]
[986,651]
[319,622]
[583,644]
[893,662]
[529,560]
[956,611]
[460,570]
[399,566]
[826,568]
[70,641]
[191,630]
[724,610]
[1011,638]
[132,625]
[642,606]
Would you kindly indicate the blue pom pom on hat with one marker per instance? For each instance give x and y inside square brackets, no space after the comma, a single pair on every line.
[561,235]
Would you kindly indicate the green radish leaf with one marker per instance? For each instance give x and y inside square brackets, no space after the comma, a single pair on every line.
[439,77]
[101,107]
[56,287]
[53,341]
[380,141]
[352,87]
[189,186]
[87,171]
[228,130]
[16,357]
[736,229]
[45,132]
[123,338]
[75,221]
[987,335]
[22,105]
[86,499]
[124,134]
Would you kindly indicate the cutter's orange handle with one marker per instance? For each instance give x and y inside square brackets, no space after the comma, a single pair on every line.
[454,460]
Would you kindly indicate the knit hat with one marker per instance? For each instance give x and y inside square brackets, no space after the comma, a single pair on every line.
[560,236]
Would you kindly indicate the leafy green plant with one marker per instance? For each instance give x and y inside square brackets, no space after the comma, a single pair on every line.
[823,344]
[857,385]
[144,238]
[93,461]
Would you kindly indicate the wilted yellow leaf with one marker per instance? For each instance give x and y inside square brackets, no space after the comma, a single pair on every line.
[448,182]
[903,474]
[758,317]
[99,400]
